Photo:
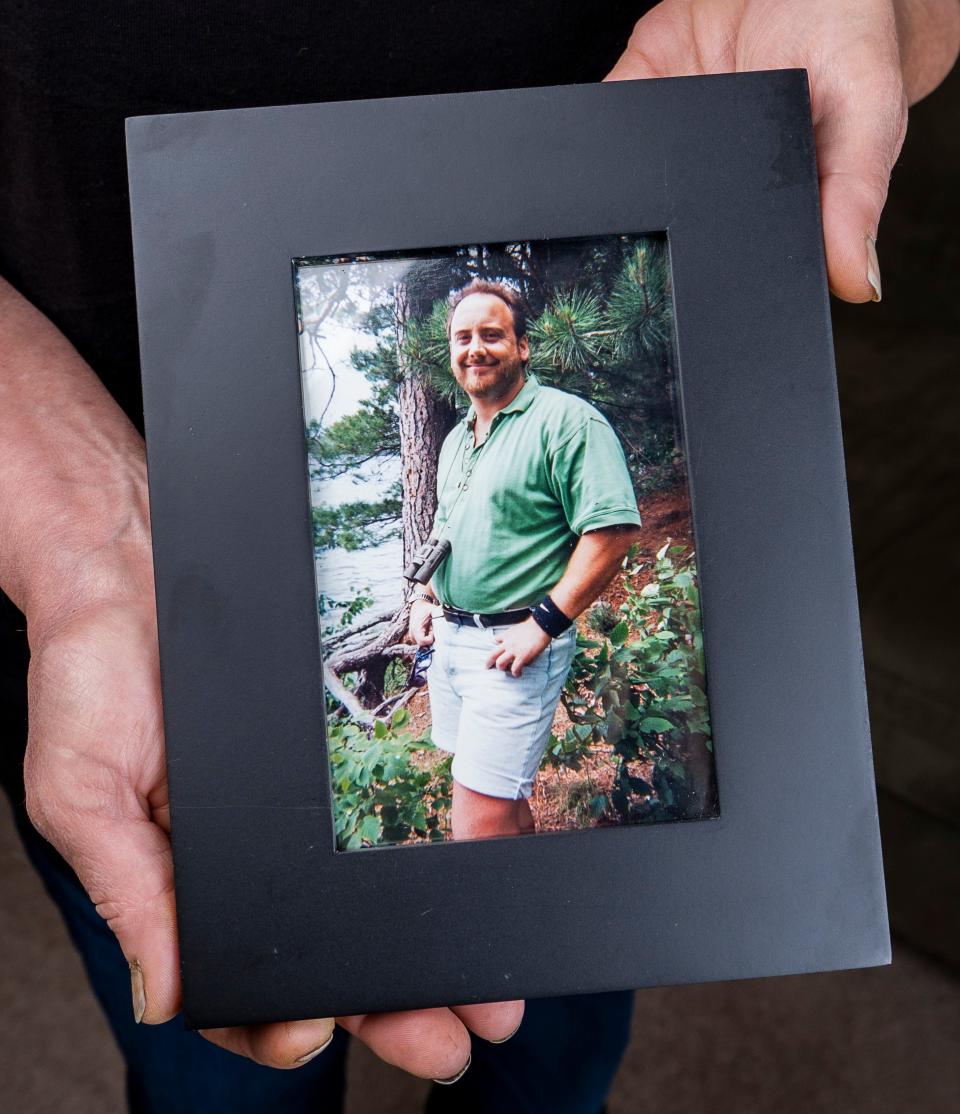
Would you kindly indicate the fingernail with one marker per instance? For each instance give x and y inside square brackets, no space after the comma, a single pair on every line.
[454,1078]
[137,991]
[308,1056]
[503,1040]
[873,267]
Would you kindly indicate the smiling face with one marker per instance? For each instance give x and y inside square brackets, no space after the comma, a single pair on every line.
[485,355]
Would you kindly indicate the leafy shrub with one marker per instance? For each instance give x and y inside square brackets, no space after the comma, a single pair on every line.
[640,690]
[380,795]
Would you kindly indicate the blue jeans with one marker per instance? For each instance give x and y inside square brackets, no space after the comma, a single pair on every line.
[561,1061]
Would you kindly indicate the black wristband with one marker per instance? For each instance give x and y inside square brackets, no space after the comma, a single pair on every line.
[550,618]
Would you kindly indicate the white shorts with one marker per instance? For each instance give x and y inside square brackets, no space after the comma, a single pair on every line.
[495,725]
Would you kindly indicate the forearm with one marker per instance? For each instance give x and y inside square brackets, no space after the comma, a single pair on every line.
[593,564]
[74,523]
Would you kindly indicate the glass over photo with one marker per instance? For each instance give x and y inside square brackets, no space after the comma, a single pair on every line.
[506,578]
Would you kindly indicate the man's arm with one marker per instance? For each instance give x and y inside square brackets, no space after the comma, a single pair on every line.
[594,562]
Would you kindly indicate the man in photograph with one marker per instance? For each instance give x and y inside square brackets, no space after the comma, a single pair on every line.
[537,504]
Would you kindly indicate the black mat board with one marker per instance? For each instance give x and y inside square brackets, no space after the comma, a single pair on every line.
[274,924]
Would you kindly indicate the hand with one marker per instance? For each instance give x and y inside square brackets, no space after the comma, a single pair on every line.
[97,790]
[421,622]
[518,647]
[866,59]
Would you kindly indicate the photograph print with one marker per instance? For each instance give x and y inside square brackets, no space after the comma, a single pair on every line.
[506,577]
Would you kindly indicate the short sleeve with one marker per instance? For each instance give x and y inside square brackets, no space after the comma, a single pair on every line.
[589,476]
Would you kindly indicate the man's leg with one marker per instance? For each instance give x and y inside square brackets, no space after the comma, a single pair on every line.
[477,816]
[525,819]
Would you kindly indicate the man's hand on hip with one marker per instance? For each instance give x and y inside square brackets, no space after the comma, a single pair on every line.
[519,646]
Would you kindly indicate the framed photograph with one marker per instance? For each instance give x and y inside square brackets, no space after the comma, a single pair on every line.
[570,344]
[507,618]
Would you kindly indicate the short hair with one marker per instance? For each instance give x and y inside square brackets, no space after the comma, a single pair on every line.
[506,294]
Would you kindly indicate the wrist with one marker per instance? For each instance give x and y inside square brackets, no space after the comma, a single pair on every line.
[84,546]
[551,620]
[74,520]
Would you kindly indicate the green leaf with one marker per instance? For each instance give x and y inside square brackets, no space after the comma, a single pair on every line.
[370,829]
[380,729]
[656,725]
[619,633]
[400,717]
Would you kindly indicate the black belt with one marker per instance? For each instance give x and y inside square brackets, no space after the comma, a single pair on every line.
[475,619]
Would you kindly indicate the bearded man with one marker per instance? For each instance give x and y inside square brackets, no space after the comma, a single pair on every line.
[536,501]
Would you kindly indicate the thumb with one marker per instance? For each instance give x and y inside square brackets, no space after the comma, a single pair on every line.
[124,863]
[95,789]
[859,131]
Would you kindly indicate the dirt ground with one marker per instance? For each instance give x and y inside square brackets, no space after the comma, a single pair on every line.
[560,797]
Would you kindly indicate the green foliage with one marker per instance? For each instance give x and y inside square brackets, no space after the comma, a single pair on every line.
[639,688]
[426,352]
[571,335]
[641,307]
[349,609]
[359,524]
[380,793]
[353,440]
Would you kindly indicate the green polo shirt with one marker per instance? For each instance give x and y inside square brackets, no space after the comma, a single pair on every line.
[514,507]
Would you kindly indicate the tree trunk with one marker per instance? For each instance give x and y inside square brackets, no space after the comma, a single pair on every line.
[425,420]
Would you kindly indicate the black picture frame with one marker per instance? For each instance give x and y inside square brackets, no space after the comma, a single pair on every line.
[274,923]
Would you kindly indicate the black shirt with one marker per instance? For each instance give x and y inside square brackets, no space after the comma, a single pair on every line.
[71,73]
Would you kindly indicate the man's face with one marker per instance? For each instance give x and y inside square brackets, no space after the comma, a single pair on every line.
[485,356]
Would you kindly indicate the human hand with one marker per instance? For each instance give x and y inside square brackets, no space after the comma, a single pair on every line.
[97,789]
[75,557]
[421,622]
[518,647]
[866,60]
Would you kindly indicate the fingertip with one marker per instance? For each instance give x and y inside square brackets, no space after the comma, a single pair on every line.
[285,1045]
[431,1043]
[495,1022]
[853,271]
[849,235]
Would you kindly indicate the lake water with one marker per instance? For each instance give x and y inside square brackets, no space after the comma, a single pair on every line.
[377,571]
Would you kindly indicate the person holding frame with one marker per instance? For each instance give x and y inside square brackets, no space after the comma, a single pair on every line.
[74,529]
[536,514]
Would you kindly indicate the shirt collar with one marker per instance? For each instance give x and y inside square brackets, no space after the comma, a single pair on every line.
[524,397]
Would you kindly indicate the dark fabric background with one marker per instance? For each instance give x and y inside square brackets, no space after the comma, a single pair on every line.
[71,73]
